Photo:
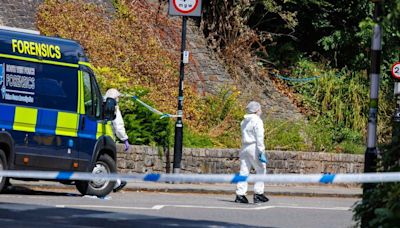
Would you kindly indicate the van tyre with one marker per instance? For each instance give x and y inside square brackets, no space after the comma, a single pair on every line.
[104,165]
[3,166]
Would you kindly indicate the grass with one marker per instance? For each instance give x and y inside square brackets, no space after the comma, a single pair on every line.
[285,135]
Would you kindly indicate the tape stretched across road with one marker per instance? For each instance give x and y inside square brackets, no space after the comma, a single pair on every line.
[211,178]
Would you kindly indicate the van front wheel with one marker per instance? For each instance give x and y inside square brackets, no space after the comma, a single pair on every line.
[99,187]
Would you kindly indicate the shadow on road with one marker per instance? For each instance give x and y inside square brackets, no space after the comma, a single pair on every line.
[21,190]
[30,215]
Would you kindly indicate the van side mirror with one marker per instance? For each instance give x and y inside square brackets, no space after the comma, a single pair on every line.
[109,108]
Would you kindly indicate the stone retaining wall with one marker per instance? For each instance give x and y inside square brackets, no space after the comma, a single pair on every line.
[144,159]
[21,13]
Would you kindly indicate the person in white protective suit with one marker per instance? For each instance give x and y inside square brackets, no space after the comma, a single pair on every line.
[118,128]
[252,154]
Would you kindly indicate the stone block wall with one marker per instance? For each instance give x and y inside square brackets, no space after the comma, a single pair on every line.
[144,159]
[22,13]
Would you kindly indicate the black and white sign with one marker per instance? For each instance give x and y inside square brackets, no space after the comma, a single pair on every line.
[396,70]
[186,57]
[185,8]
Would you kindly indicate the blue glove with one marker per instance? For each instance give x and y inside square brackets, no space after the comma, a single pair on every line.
[262,158]
[126,144]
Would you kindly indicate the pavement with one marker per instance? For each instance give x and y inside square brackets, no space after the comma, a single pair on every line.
[314,190]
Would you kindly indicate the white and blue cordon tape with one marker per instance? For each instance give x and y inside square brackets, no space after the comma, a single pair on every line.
[210,178]
[163,115]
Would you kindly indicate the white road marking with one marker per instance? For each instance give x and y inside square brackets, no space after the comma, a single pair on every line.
[159,207]
[104,207]
[317,208]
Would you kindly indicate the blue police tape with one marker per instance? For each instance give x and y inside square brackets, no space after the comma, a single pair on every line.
[237,178]
[327,178]
[64,175]
[300,79]
[296,79]
[210,178]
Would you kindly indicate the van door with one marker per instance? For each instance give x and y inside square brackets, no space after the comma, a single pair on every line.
[90,118]
[45,122]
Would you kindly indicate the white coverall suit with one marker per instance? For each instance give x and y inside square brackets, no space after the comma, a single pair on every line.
[252,145]
[117,124]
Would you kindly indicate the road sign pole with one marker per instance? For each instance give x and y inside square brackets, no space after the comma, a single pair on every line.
[179,122]
[371,153]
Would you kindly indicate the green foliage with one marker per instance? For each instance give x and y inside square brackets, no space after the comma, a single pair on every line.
[382,203]
[336,37]
[338,32]
[127,53]
[320,136]
[221,118]
[226,23]
[192,139]
[219,107]
[143,126]
[338,106]
[327,136]
[311,136]
[341,97]
[285,135]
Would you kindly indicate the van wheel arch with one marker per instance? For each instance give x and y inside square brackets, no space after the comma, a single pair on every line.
[104,164]
[7,145]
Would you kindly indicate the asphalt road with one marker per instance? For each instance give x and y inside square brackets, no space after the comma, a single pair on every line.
[22,207]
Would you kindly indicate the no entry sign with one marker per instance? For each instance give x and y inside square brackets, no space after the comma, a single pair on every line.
[185,8]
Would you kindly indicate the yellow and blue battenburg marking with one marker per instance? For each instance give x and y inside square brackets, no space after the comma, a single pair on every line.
[51,122]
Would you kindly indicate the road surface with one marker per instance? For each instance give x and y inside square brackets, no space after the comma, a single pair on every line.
[22,207]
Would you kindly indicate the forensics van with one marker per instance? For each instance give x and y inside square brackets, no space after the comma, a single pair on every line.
[52,114]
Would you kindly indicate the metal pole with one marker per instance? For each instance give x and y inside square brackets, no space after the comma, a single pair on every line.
[371,153]
[179,123]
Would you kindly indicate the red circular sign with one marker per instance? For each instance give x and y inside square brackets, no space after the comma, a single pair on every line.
[396,70]
[185,6]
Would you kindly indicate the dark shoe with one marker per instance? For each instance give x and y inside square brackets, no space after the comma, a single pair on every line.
[260,198]
[241,199]
[123,183]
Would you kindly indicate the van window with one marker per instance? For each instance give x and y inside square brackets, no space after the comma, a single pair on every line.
[97,99]
[38,85]
[87,87]
[92,97]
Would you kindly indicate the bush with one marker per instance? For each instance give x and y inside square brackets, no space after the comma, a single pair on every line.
[285,135]
[338,100]
[192,139]
[221,118]
[126,52]
[382,203]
